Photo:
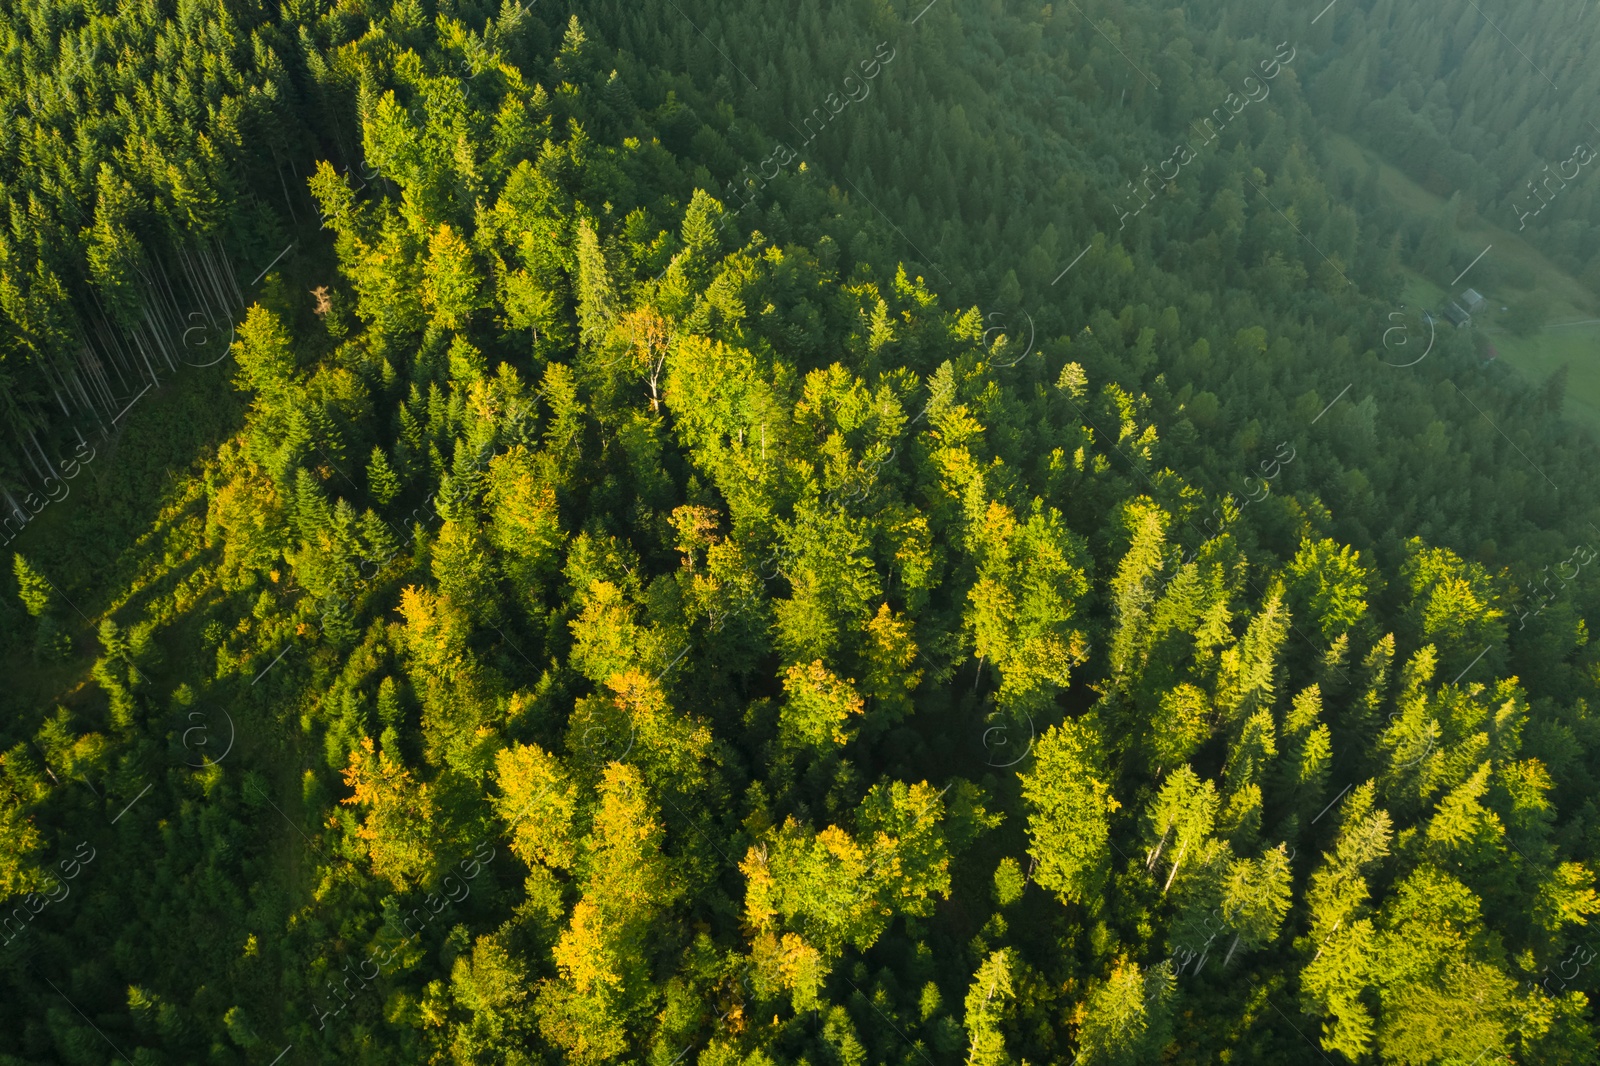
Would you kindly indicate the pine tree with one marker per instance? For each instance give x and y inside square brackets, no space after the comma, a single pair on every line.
[1336,979]
[1069,798]
[1181,817]
[1255,899]
[596,298]
[1127,1017]
[986,1007]
[451,284]
[32,587]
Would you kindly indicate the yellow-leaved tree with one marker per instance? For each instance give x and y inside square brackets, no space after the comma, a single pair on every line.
[399,826]
[603,985]
[809,896]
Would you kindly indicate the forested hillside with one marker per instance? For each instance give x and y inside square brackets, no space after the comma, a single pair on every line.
[753,534]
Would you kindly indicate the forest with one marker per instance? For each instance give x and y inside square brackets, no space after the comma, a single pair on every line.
[754,534]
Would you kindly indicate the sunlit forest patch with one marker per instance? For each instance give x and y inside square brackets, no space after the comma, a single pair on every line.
[750,534]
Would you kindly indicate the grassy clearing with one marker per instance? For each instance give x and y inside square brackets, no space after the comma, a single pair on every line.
[1512,271]
[1542,354]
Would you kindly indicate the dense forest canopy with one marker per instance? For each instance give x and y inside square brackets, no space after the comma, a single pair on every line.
[751,534]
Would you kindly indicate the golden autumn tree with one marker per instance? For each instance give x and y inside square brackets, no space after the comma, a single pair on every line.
[603,978]
[538,803]
[818,706]
[649,336]
[400,815]
[633,720]
[810,895]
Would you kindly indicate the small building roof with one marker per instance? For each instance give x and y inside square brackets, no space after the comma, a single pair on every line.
[1472,300]
[1455,314]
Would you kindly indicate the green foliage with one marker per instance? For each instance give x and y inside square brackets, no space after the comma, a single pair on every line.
[1127,1018]
[598,601]
[1529,315]
[1021,609]
[32,587]
[985,1006]
[1008,882]
[1070,804]
[1329,583]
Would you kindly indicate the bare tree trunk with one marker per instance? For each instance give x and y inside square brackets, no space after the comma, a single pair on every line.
[95,372]
[167,314]
[197,293]
[1175,864]
[277,166]
[80,371]
[227,273]
[1150,859]
[109,338]
[137,336]
[34,440]
[29,455]
[16,508]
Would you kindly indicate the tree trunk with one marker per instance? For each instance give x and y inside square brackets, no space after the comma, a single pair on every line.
[1150,859]
[1175,863]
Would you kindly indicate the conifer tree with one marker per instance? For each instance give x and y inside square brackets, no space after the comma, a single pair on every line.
[1070,804]
[985,1007]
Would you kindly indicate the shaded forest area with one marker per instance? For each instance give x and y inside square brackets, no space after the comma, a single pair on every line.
[757,534]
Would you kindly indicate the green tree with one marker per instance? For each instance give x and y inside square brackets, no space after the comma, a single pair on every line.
[986,1007]
[1327,581]
[1182,817]
[32,587]
[382,482]
[1337,981]
[1255,898]
[818,706]
[1023,608]
[810,895]
[1127,1018]
[399,830]
[450,280]
[492,983]
[1528,314]
[264,353]
[603,978]
[1069,800]
[596,297]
